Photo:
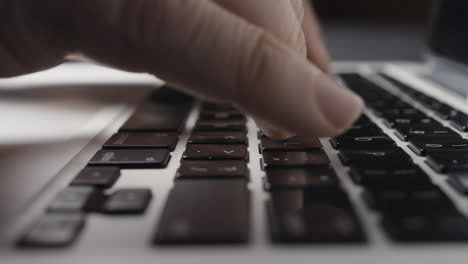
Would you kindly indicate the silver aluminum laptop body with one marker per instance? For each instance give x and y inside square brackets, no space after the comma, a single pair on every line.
[54,121]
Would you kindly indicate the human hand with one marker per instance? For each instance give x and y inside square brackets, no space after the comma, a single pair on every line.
[264,56]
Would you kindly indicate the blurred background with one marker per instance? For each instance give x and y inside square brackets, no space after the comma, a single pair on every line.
[374,30]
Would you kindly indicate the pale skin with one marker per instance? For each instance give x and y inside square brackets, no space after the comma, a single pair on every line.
[266,57]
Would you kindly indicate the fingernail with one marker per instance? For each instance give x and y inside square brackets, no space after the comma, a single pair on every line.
[340,106]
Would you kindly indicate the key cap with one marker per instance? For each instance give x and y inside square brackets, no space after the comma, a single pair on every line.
[75,199]
[425,133]
[142,141]
[421,199]
[101,177]
[215,152]
[128,201]
[157,118]
[217,107]
[459,181]
[233,125]
[53,230]
[410,112]
[221,115]
[205,211]
[402,122]
[218,138]
[212,169]
[425,147]
[313,216]
[460,122]
[375,158]
[301,178]
[291,144]
[433,228]
[390,178]
[362,142]
[443,162]
[369,130]
[132,158]
[294,159]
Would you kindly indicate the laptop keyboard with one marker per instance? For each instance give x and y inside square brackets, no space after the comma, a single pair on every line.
[209,201]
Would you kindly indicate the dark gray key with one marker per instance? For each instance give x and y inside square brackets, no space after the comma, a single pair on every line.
[421,199]
[377,157]
[367,130]
[102,177]
[460,122]
[313,216]
[444,162]
[292,144]
[142,141]
[157,118]
[205,211]
[75,199]
[301,178]
[53,230]
[221,115]
[426,228]
[294,159]
[401,122]
[132,158]
[217,107]
[362,142]
[212,169]
[215,152]
[427,147]
[459,181]
[128,201]
[233,125]
[218,138]
[426,133]
[391,178]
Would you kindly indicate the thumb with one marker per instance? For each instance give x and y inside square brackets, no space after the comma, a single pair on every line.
[213,53]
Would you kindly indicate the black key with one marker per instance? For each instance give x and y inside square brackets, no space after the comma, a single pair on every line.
[421,199]
[128,201]
[218,138]
[369,130]
[410,112]
[402,122]
[205,211]
[425,132]
[217,107]
[432,228]
[158,118]
[221,115]
[53,231]
[291,144]
[445,112]
[363,120]
[212,169]
[294,159]
[377,157]
[132,158]
[443,162]
[75,199]
[233,125]
[142,141]
[459,181]
[460,122]
[390,178]
[427,147]
[102,177]
[215,152]
[362,142]
[301,178]
[309,215]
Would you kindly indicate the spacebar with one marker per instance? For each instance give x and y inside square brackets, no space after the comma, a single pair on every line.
[205,211]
